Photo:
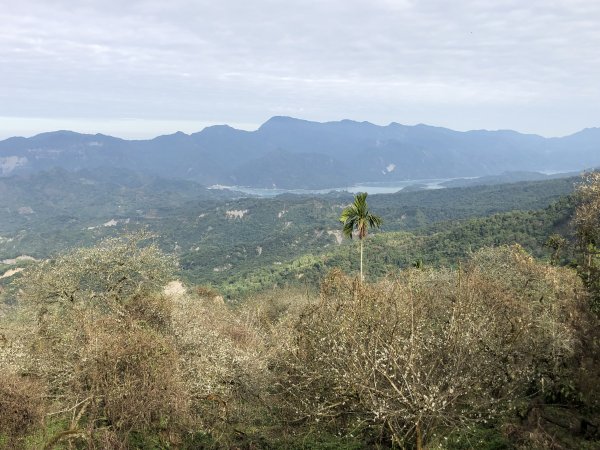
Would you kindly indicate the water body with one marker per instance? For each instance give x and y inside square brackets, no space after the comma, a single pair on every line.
[387,187]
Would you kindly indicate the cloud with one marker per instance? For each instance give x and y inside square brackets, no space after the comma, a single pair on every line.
[239,61]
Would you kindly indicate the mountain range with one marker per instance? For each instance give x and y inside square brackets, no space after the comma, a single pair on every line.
[292,153]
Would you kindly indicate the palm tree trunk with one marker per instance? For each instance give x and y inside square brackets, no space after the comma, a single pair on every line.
[361,261]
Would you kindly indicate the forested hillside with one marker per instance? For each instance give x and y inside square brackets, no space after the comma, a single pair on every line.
[220,239]
[444,243]
[458,338]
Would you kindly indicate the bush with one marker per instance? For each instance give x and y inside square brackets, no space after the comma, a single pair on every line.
[587,228]
[429,351]
[132,379]
[223,361]
[128,362]
[22,408]
[104,343]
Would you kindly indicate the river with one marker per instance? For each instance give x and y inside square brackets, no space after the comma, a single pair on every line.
[388,187]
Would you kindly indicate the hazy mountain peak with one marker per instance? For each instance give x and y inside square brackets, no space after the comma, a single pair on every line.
[216,130]
[278,121]
[588,131]
[58,133]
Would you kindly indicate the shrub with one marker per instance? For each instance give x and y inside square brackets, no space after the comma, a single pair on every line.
[429,351]
[222,359]
[104,344]
[22,408]
[132,379]
[587,228]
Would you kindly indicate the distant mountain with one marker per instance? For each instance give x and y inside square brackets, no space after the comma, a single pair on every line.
[291,153]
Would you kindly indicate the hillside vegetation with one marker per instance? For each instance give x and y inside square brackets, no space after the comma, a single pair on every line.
[99,348]
[219,239]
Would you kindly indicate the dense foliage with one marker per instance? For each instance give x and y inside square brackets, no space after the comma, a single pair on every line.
[429,351]
[58,210]
[456,340]
[587,223]
[440,244]
[99,356]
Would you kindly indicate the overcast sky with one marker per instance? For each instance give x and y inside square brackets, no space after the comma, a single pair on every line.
[143,68]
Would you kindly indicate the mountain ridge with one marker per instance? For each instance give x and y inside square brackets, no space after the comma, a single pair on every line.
[294,153]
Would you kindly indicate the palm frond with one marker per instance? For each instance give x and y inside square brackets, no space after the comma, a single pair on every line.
[356,217]
[374,221]
[348,229]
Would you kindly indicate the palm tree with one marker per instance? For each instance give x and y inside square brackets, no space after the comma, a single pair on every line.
[357,219]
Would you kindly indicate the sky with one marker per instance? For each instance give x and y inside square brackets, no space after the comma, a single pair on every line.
[142,68]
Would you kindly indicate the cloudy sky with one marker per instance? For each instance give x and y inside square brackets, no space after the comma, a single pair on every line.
[140,68]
